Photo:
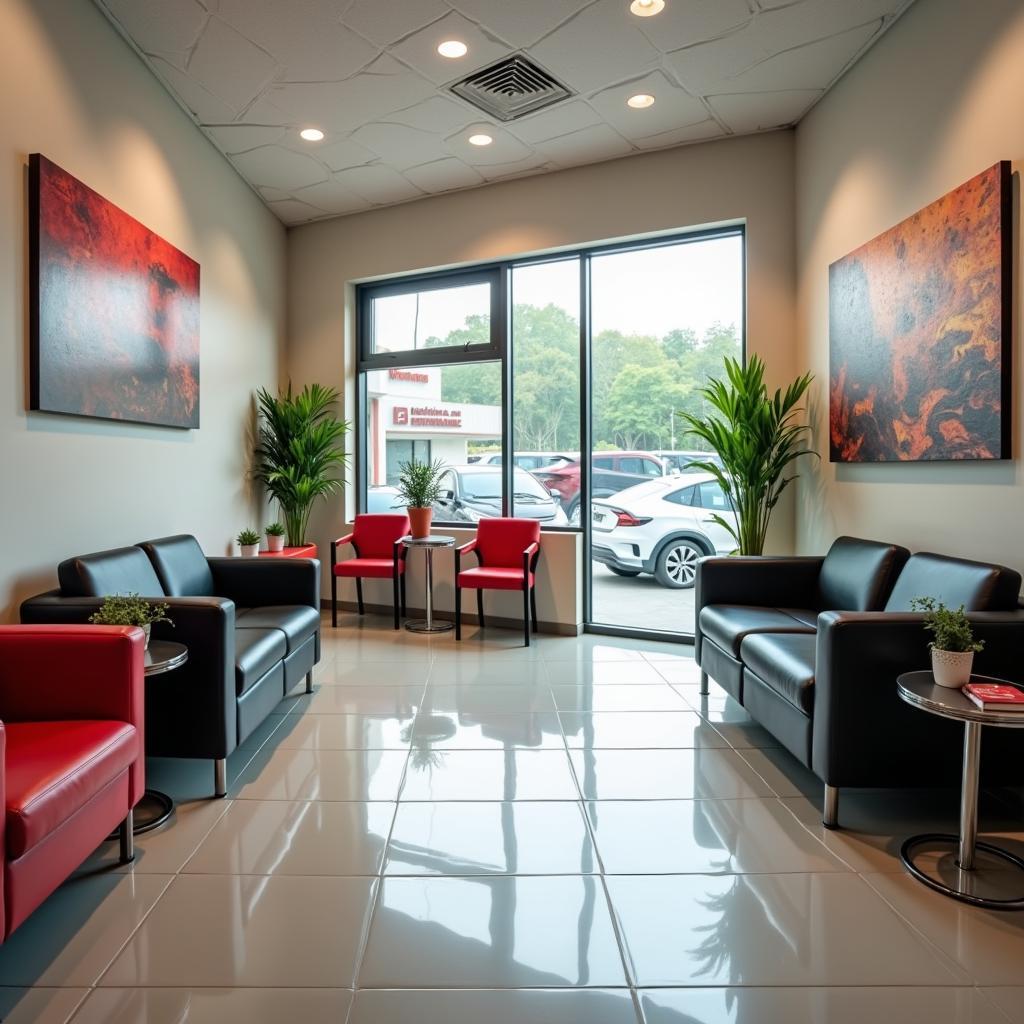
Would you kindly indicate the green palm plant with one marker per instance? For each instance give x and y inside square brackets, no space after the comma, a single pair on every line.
[300,453]
[758,437]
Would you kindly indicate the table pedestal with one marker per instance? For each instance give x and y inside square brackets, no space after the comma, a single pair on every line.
[428,625]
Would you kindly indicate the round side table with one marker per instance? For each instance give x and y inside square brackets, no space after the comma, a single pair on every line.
[429,545]
[920,690]
[155,807]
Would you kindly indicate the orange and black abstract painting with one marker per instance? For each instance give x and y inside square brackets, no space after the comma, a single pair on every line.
[919,333]
[114,309]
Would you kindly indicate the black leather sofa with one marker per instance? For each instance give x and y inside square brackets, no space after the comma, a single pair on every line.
[252,628]
[812,646]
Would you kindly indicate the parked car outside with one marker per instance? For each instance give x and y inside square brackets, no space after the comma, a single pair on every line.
[526,460]
[473,492]
[683,461]
[383,500]
[663,528]
[611,472]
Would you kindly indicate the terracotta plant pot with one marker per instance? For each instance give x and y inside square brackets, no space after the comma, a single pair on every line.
[275,543]
[952,668]
[419,518]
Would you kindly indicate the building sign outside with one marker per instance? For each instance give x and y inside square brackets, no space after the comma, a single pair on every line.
[427,416]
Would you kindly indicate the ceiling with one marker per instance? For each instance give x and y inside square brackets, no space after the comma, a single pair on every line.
[252,73]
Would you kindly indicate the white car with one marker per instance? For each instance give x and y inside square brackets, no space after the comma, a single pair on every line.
[662,527]
[528,460]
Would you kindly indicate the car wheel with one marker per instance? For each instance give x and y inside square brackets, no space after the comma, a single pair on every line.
[676,567]
[630,573]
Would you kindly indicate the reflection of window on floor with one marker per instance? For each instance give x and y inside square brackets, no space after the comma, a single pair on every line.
[404,451]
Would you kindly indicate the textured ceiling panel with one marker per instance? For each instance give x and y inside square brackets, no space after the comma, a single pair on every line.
[253,73]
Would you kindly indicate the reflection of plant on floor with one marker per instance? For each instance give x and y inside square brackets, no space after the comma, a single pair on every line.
[423,732]
[740,909]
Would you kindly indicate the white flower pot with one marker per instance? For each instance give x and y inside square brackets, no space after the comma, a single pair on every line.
[250,550]
[275,543]
[952,668]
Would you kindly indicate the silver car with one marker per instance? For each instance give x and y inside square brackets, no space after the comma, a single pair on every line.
[471,493]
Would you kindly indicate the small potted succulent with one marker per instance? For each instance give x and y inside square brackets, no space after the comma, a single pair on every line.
[419,486]
[954,646]
[275,537]
[130,610]
[249,542]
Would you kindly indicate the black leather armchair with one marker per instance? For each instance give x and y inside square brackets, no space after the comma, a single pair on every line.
[252,627]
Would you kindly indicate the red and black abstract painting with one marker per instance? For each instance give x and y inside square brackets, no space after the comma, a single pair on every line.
[919,333]
[114,309]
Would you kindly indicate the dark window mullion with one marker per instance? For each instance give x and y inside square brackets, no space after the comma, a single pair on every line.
[505,344]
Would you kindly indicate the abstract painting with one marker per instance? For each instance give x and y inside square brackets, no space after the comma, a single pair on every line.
[919,333]
[114,309]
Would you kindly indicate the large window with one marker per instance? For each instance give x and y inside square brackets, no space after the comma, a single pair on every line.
[507,374]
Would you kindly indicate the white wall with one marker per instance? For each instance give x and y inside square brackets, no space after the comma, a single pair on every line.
[72,89]
[937,100]
[746,179]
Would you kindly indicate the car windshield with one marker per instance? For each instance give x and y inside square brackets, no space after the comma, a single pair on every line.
[485,486]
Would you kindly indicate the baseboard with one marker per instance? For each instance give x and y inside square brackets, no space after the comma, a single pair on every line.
[468,618]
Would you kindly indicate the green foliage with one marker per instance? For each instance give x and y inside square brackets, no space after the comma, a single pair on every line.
[640,405]
[419,483]
[274,530]
[129,610]
[950,626]
[248,537]
[758,438]
[300,452]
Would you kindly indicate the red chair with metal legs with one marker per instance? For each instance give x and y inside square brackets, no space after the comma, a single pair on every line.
[380,555]
[507,551]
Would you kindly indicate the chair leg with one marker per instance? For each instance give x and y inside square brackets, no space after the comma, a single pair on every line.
[220,777]
[127,838]
[480,606]
[334,601]
[396,597]
[526,615]
[309,681]
[458,613]
[704,684]
[404,609]
[359,595]
[830,816]
[533,607]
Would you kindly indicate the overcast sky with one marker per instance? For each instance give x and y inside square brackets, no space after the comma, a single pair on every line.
[649,291]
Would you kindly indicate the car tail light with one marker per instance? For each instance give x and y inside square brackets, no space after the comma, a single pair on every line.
[626,519]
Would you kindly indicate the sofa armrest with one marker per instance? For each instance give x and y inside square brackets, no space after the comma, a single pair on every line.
[49,673]
[863,732]
[258,582]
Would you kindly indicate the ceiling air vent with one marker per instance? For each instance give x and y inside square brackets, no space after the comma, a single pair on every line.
[511,88]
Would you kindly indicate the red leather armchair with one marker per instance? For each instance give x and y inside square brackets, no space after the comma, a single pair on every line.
[71,736]
[380,554]
[507,551]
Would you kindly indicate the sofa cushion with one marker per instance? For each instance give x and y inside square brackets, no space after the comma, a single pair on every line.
[857,575]
[54,768]
[118,571]
[181,566]
[785,663]
[728,624]
[298,622]
[257,651]
[977,586]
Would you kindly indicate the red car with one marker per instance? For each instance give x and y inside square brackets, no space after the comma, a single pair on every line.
[611,472]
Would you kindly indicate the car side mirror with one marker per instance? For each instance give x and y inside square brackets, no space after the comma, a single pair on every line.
[447,495]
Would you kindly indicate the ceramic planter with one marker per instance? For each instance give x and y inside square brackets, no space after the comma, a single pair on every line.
[419,519]
[250,550]
[952,668]
[147,629]
[275,543]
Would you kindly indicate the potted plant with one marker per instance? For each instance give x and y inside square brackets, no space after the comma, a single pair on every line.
[954,646]
[249,542]
[758,437]
[419,486]
[275,537]
[300,452]
[130,610]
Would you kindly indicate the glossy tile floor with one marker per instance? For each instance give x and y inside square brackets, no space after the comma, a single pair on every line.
[486,833]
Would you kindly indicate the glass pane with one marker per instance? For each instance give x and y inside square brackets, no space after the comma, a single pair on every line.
[434,318]
[546,390]
[451,413]
[663,319]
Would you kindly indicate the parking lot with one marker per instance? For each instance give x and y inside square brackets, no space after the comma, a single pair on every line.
[640,602]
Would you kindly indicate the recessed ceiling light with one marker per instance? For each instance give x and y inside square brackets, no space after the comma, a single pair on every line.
[480,139]
[453,48]
[647,8]
[311,134]
[640,100]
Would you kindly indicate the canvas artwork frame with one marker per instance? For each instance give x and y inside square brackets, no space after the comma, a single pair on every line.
[113,309]
[920,353]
